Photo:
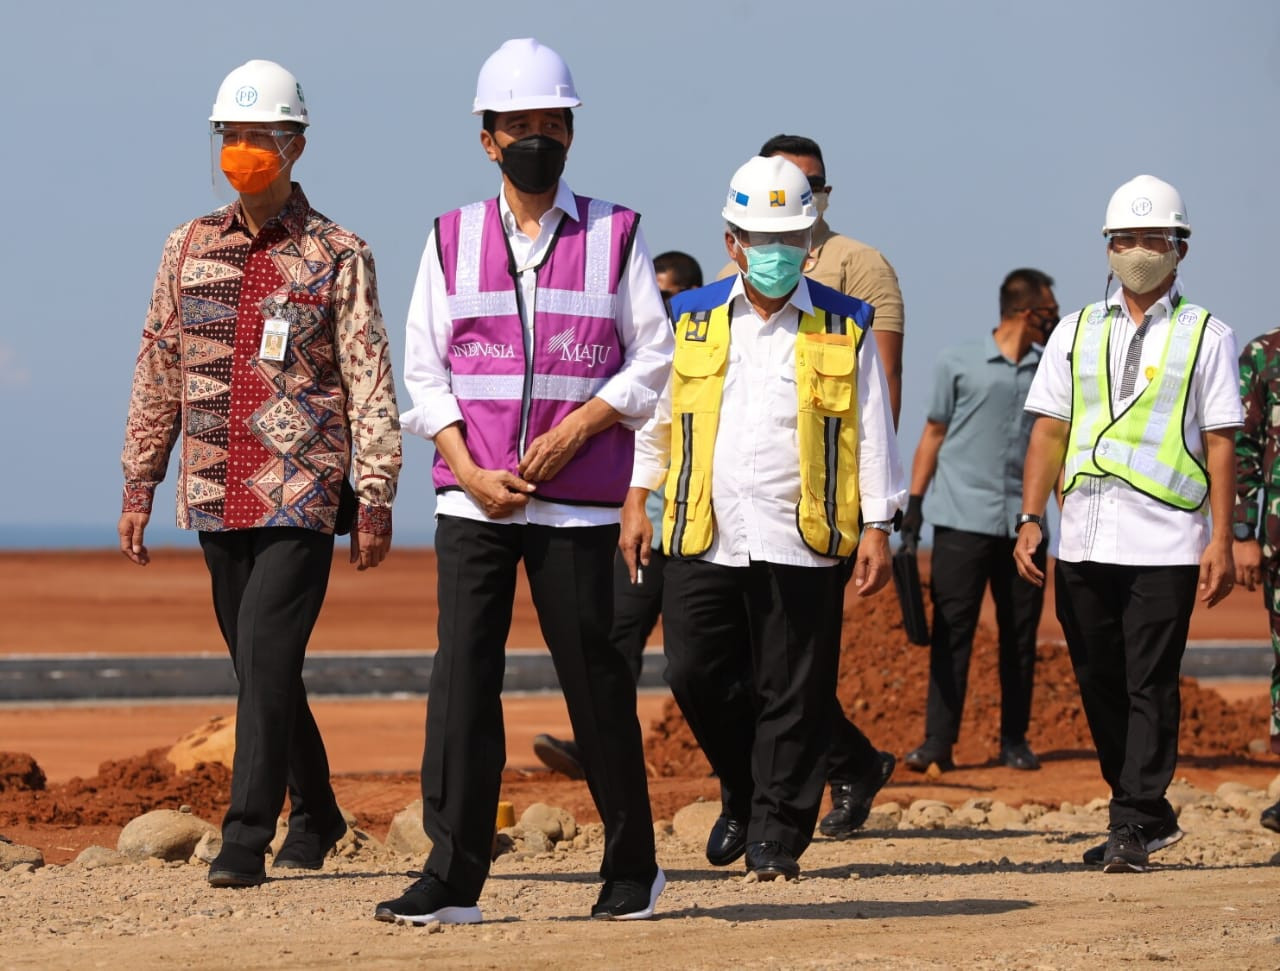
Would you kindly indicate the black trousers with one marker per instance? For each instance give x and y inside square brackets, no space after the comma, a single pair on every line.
[571,580]
[850,756]
[963,564]
[636,607]
[1126,629]
[752,654]
[268,588]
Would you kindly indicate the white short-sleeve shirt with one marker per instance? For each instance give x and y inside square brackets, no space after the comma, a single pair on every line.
[1105,520]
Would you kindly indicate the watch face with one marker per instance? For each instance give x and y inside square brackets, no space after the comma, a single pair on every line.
[1242,532]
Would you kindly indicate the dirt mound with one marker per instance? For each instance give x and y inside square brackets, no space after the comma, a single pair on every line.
[19,773]
[884,681]
[120,791]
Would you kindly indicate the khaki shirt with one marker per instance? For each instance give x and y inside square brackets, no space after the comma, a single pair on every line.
[855,269]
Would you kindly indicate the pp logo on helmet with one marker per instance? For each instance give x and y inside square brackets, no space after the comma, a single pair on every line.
[777,197]
[247,96]
[1141,206]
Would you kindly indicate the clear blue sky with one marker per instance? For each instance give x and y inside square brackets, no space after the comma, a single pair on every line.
[962,140]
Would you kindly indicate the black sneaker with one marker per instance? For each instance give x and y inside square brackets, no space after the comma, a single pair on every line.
[237,866]
[306,851]
[629,899]
[932,752]
[427,900]
[1157,838]
[1270,818]
[559,755]
[1126,850]
[851,801]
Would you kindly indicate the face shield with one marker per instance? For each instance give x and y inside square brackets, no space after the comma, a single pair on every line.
[245,158]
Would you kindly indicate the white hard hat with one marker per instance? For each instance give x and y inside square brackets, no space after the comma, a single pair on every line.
[771,195]
[260,91]
[522,75]
[1146,202]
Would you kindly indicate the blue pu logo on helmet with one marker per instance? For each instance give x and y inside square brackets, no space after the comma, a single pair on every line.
[247,96]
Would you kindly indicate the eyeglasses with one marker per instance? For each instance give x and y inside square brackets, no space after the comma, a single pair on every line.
[261,137]
[818,183]
[756,237]
[1050,310]
[1155,242]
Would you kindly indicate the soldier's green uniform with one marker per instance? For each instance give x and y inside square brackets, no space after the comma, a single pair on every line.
[1258,482]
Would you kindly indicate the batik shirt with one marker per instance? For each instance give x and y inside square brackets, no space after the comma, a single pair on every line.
[264,442]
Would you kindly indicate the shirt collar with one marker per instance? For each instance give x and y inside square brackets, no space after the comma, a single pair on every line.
[566,204]
[993,352]
[799,298]
[293,216]
[1166,303]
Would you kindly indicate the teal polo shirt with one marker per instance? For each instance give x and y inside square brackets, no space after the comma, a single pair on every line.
[978,394]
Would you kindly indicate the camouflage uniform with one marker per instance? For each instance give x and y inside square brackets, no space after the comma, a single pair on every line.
[1258,477]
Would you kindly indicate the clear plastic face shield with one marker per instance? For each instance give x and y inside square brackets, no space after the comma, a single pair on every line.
[800,238]
[245,158]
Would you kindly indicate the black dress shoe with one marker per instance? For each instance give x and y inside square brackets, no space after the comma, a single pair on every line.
[1270,818]
[237,866]
[1018,755]
[771,860]
[727,842]
[557,754]
[932,752]
[306,851]
[851,801]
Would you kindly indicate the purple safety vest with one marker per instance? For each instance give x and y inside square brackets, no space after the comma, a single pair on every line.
[575,343]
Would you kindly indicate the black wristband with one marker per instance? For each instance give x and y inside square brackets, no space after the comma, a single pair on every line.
[1024,518]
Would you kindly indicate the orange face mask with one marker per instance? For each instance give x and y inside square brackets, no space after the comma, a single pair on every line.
[249,169]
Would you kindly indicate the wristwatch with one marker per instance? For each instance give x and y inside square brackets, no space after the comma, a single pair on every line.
[1024,518]
[885,526]
[1242,531]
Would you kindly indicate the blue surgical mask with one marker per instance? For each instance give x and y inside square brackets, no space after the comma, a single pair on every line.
[774,268]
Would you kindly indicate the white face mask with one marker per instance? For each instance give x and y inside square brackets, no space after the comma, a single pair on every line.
[820,200]
[1140,270]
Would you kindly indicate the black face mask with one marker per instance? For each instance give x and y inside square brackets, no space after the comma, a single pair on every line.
[534,163]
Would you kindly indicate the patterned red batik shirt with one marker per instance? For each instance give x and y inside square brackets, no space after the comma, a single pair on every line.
[265,442]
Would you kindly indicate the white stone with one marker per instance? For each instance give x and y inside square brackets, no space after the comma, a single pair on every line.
[163,834]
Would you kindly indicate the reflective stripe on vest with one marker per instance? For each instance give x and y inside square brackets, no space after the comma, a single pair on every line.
[1144,445]
[827,430]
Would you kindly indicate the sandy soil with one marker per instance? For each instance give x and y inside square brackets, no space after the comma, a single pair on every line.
[899,895]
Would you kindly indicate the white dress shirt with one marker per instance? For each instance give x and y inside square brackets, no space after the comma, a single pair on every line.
[755,483]
[1105,520]
[643,332]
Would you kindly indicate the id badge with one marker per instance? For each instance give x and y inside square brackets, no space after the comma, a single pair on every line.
[275,338]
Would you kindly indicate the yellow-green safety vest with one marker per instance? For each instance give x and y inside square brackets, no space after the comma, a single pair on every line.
[1143,445]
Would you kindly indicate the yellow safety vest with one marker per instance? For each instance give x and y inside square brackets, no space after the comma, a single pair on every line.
[826,362]
[1143,445]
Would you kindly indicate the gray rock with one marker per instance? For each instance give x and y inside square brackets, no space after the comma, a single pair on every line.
[163,834]
[553,822]
[93,857]
[692,823]
[405,835]
[15,856]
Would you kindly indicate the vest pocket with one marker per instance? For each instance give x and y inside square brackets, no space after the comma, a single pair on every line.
[697,366]
[825,367]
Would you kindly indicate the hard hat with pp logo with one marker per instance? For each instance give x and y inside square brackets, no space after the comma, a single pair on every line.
[770,195]
[1146,202]
[260,91]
